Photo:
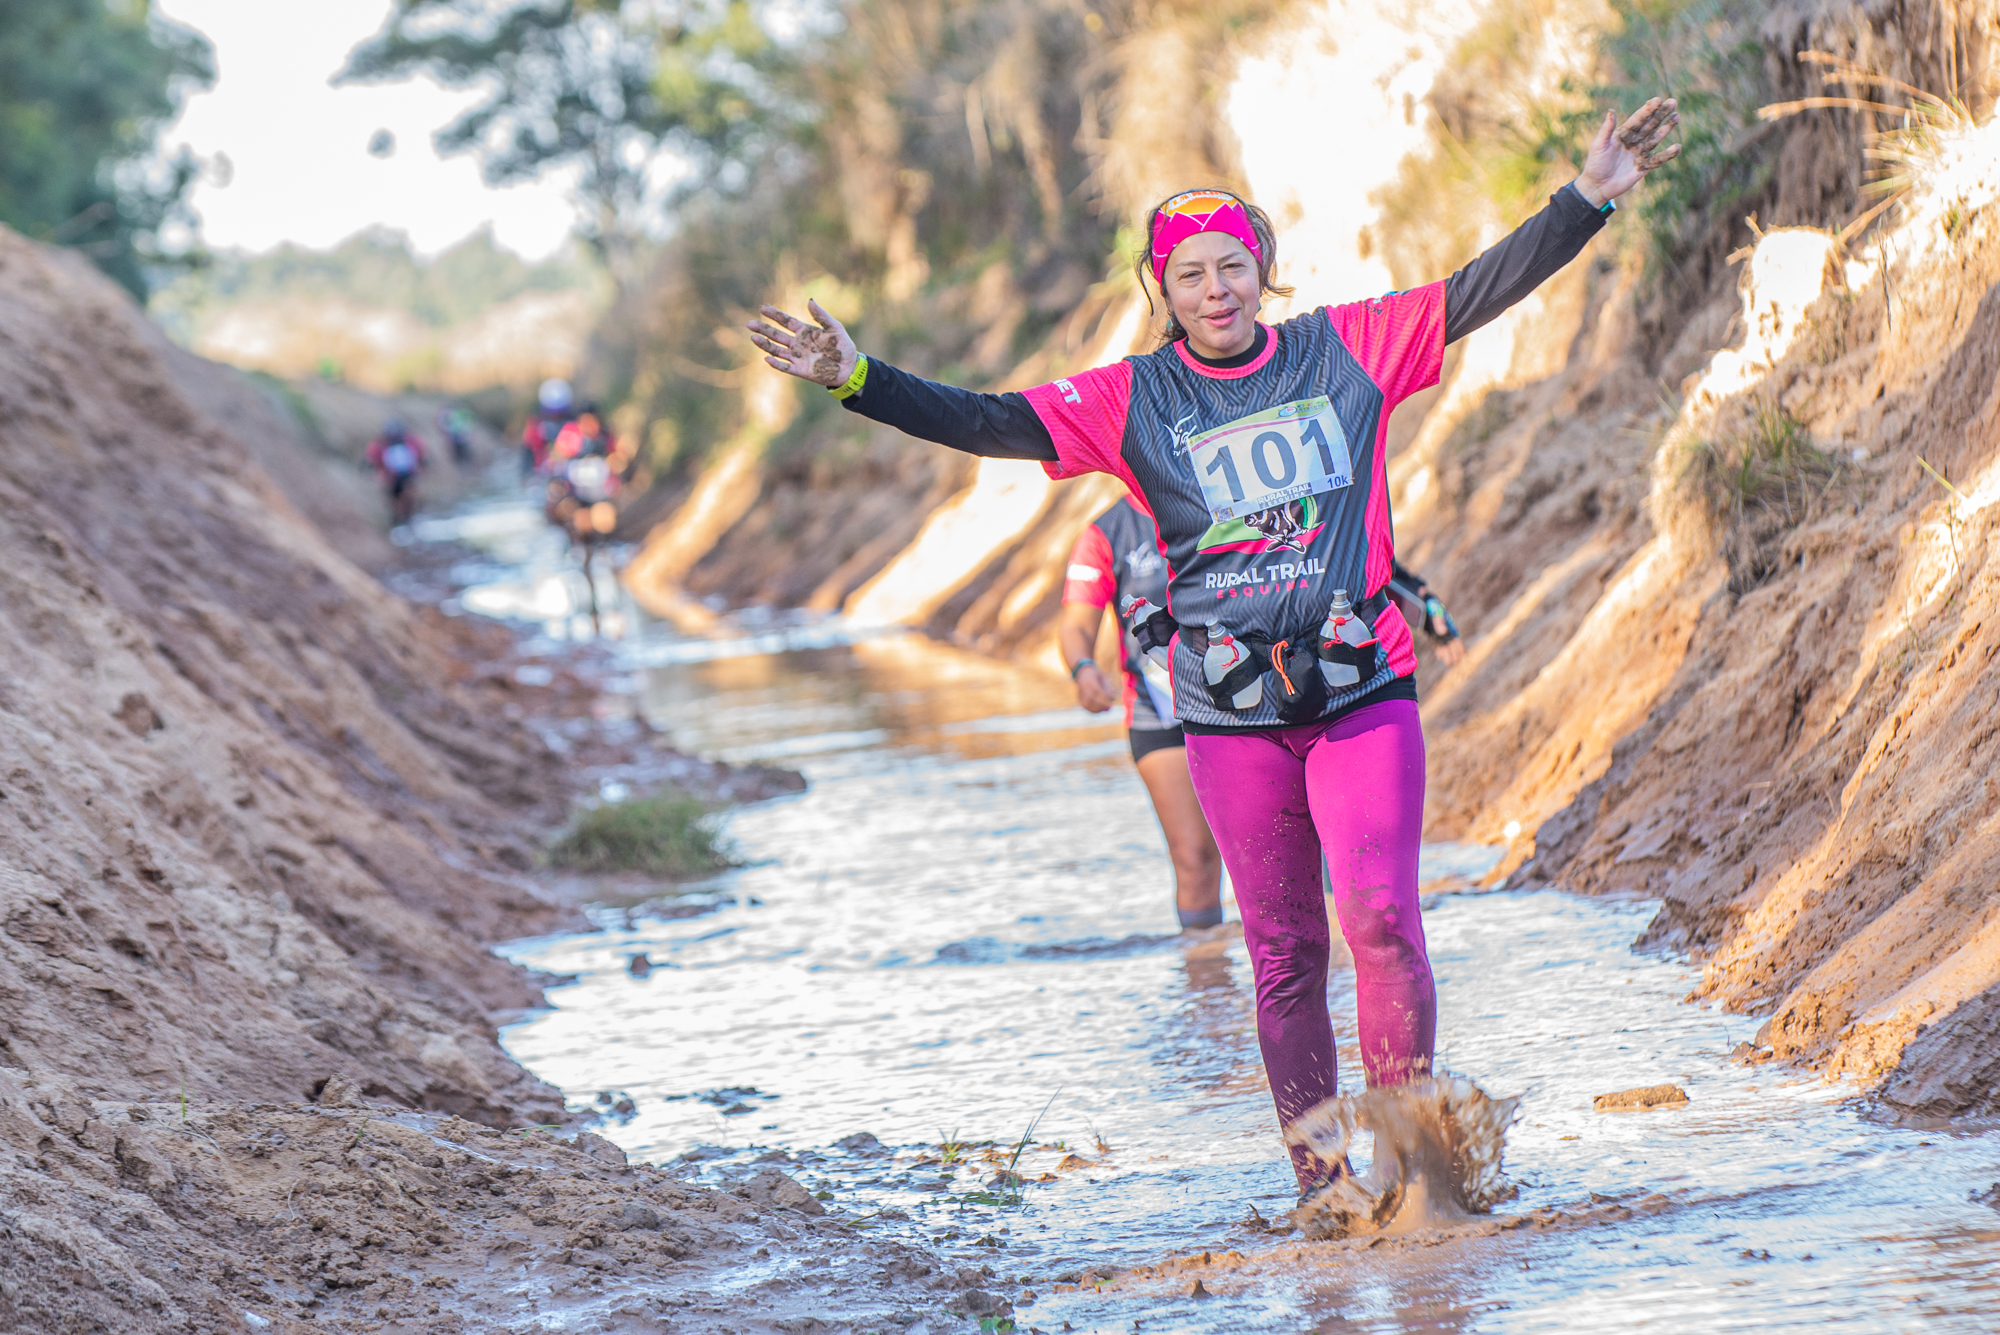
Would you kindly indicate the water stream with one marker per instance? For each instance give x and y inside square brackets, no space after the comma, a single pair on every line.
[964,929]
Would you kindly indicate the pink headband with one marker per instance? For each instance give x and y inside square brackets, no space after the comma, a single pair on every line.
[1198,211]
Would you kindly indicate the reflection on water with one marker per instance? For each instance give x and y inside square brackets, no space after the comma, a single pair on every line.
[968,917]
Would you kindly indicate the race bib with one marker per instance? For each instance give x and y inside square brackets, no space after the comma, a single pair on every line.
[1271,458]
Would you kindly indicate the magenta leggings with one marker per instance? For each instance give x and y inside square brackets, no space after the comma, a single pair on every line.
[1354,788]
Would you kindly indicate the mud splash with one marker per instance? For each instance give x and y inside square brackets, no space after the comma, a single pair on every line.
[1438,1145]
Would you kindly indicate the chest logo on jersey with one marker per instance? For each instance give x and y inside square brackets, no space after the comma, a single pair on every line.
[1256,467]
[1262,476]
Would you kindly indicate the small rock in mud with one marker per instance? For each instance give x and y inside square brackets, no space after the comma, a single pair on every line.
[636,1215]
[340,1091]
[138,715]
[1652,1096]
[861,1142]
[1199,1290]
[600,1149]
[1073,1161]
[978,1302]
[139,1157]
[624,1107]
[772,1187]
[639,966]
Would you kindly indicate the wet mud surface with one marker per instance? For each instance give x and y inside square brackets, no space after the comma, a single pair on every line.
[352,1217]
[945,995]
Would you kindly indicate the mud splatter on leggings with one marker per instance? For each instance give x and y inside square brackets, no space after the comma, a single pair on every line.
[1275,798]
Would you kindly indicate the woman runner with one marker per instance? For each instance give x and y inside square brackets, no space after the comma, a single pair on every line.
[1117,558]
[1259,451]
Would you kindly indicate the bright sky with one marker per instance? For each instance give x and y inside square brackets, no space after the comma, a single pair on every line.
[299,147]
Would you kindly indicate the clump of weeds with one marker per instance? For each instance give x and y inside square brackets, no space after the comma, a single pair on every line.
[1007,1179]
[1758,479]
[669,834]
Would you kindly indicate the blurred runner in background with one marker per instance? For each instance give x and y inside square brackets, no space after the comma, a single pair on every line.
[538,436]
[397,455]
[1117,557]
[454,423]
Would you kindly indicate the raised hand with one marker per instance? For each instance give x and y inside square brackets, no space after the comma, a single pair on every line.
[825,356]
[1621,155]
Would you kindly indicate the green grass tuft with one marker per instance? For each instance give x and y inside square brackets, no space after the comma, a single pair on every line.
[668,834]
[1769,461]
[1759,479]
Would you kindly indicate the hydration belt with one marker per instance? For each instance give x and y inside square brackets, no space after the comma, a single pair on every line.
[1289,663]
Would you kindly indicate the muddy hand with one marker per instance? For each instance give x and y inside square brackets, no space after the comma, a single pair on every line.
[1621,155]
[825,356]
[1647,128]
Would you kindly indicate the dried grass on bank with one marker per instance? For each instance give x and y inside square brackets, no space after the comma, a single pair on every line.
[1755,480]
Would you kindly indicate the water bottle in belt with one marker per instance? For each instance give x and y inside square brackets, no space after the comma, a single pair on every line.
[1156,664]
[1224,653]
[1343,627]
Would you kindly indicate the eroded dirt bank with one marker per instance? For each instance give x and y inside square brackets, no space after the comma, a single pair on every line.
[1736,653]
[261,819]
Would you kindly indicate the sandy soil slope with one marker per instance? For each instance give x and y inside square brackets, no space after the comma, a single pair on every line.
[260,819]
[1774,715]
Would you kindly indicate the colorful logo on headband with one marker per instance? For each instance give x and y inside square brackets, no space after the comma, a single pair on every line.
[1198,211]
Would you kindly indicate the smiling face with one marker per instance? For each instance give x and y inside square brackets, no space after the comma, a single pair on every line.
[1211,286]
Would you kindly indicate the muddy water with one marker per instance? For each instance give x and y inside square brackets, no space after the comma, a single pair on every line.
[964,930]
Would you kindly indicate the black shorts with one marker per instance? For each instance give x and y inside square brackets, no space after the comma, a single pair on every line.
[1145,741]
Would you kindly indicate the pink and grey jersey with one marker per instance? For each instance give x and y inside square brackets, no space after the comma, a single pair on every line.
[1265,472]
[1267,481]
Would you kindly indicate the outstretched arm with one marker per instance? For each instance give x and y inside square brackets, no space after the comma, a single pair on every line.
[1618,159]
[999,426]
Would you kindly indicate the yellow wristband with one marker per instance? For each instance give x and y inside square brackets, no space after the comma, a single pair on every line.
[854,382]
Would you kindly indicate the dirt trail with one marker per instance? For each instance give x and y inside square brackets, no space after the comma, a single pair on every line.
[263,818]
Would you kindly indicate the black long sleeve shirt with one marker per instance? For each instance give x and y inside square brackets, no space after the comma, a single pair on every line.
[1005,426]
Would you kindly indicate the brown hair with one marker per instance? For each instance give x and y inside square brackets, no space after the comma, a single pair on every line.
[1267,265]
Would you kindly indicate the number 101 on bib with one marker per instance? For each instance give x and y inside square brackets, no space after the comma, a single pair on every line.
[1271,458]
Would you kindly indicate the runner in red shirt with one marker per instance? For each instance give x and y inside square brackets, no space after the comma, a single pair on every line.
[1117,558]
[397,455]
[1259,451]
